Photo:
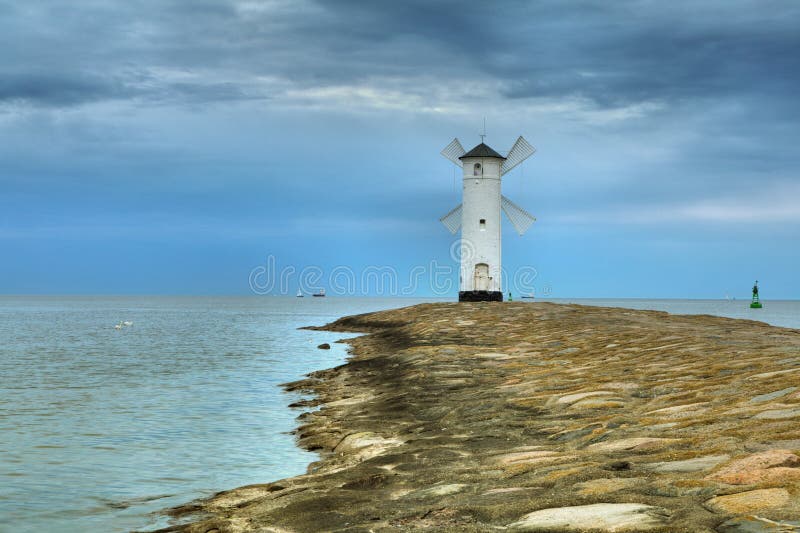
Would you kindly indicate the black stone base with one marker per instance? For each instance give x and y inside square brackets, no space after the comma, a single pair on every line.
[480,296]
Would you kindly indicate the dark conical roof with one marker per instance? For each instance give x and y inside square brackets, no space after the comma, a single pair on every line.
[482,151]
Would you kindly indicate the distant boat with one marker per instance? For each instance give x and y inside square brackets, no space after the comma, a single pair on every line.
[299,293]
[529,297]
[320,294]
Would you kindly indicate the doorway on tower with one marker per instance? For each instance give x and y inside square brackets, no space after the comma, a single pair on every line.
[481,279]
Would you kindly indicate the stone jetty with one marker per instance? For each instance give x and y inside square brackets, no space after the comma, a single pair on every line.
[540,417]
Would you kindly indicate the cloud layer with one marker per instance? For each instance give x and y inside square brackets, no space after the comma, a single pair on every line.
[611,54]
[238,114]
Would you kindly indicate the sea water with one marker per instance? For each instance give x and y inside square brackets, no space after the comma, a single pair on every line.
[101,429]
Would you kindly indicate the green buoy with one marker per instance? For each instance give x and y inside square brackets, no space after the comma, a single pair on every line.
[755,303]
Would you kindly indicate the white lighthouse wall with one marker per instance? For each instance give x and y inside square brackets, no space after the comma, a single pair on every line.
[481,242]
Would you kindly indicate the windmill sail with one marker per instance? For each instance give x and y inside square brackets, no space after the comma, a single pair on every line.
[521,151]
[520,219]
[453,151]
[452,220]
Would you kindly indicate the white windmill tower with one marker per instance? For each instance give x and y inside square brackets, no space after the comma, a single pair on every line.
[478,216]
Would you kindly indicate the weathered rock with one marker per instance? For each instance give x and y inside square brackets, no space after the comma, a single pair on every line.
[774,373]
[772,395]
[600,516]
[506,490]
[688,465]
[632,444]
[598,403]
[598,487]
[661,427]
[437,491]
[747,502]
[618,466]
[324,346]
[438,424]
[574,434]
[773,466]
[365,445]
[678,411]
[572,398]
[755,524]
[775,414]
[493,355]
[534,456]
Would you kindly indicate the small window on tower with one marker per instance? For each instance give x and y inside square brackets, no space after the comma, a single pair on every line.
[477,170]
[483,224]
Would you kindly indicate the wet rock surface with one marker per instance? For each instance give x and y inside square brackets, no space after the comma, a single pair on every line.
[540,417]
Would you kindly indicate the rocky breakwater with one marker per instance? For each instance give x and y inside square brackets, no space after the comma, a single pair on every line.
[541,417]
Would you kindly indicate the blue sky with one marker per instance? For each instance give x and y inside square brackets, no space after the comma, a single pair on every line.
[170,147]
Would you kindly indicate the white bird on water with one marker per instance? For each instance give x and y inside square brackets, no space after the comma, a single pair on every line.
[127,323]
[118,326]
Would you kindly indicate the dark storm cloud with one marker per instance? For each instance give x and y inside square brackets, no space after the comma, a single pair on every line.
[609,53]
[658,61]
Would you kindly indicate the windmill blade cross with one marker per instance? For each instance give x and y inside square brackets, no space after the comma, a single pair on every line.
[452,220]
[521,151]
[520,219]
[453,151]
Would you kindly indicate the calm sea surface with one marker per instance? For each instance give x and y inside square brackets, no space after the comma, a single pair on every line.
[102,428]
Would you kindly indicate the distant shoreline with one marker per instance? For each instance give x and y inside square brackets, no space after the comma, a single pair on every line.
[468,417]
